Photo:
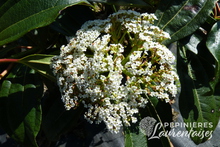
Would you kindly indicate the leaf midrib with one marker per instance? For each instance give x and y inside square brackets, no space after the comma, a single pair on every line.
[175,15]
[190,20]
[188,23]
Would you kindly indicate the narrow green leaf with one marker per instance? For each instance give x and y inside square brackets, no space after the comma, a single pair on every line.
[197,102]
[17,18]
[181,18]
[40,63]
[20,109]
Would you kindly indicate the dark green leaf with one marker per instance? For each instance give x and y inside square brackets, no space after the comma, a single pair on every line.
[17,18]
[20,109]
[198,104]
[181,18]
[213,44]
[41,63]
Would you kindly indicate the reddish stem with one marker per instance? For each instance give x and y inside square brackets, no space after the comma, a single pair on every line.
[8,60]
[6,71]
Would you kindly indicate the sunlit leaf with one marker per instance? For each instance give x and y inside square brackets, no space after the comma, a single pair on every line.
[181,18]
[19,17]
[41,63]
[213,44]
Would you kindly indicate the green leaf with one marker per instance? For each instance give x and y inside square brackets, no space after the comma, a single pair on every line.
[40,63]
[20,108]
[197,101]
[181,18]
[17,18]
[213,44]
[191,42]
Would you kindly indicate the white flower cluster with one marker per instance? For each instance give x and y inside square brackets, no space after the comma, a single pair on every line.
[112,66]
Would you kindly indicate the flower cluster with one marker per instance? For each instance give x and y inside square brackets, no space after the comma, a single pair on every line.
[113,66]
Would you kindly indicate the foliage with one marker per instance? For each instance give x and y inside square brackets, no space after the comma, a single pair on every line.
[32,32]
